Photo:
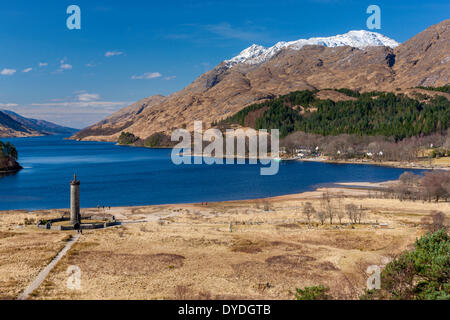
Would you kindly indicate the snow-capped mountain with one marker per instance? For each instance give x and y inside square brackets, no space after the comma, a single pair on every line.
[221,92]
[358,38]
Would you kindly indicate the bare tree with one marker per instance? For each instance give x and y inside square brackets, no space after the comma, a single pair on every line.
[352,210]
[327,207]
[435,184]
[360,213]
[340,215]
[340,209]
[308,210]
[409,178]
[321,215]
[266,206]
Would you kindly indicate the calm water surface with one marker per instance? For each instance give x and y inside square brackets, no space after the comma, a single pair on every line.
[124,176]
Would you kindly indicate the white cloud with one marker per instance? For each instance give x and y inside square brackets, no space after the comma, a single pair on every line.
[170,77]
[88,97]
[82,104]
[8,105]
[8,72]
[113,53]
[27,70]
[78,110]
[64,66]
[82,99]
[75,114]
[43,64]
[148,75]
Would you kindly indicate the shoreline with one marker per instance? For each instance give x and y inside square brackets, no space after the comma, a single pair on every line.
[416,164]
[347,188]
[391,164]
[10,171]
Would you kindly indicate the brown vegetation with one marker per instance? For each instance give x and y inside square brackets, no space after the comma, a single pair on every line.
[195,256]
[375,148]
[433,186]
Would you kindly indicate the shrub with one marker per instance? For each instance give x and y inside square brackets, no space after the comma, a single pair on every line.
[154,140]
[435,221]
[182,292]
[313,293]
[29,222]
[420,274]
[127,138]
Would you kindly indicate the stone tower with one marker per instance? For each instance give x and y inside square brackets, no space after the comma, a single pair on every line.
[75,216]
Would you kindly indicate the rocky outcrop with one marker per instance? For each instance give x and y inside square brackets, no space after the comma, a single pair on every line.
[9,165]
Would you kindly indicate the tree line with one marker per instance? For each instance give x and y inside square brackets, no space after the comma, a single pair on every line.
[378,148]
[432,186]
[371,113]
[8,150]
[333,209]
[445,89]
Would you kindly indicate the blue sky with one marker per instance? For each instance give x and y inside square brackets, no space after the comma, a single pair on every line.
[128,50]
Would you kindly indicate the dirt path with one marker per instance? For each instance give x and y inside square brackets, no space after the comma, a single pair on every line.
[154,216]
[44,273]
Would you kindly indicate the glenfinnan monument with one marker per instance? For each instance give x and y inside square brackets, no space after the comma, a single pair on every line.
[75,216]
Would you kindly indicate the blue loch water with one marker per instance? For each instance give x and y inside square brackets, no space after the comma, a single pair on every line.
[114,175]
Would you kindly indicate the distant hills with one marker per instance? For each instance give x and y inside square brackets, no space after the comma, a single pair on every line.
[15,125]
[359,60]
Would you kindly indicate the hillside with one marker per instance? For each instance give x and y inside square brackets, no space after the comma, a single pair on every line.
[360,61]
[370,113]
[15,125]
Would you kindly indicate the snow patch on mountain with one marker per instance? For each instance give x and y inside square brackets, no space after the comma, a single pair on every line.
[256,54]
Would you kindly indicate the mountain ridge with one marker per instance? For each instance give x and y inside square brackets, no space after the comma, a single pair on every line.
[224,90]
[15,125]
[356,38]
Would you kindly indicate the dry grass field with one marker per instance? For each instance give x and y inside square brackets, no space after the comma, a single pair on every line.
[190,251]
[24,251]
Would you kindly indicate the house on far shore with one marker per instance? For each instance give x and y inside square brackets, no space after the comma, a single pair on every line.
[302,152]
